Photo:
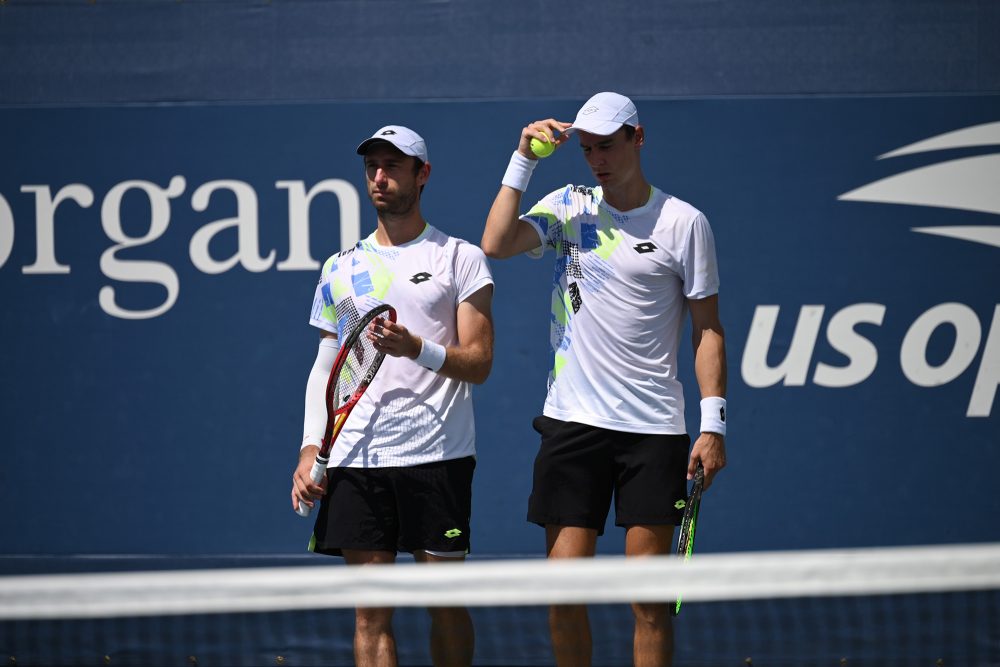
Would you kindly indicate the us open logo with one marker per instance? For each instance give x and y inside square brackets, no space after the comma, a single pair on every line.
[967,183]
[970,183]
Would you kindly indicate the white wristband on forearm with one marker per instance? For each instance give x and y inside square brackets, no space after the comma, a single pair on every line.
[713,415]
[431,355]
[519,172]
[314,422]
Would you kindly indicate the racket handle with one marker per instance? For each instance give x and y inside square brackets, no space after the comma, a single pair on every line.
[317,474]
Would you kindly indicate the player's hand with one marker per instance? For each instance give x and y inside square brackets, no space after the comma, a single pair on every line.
[393,338]
[710,451]
[303,488]
[551,128]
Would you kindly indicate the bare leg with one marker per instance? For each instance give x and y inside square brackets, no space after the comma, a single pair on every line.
[569,625]
[653,643]
[374,643]
[453,638]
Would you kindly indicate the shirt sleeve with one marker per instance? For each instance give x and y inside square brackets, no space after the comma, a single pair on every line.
[472,270]
[324,312]
[700,270]
[544,217]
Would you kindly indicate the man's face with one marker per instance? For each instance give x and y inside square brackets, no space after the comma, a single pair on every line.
[613,159]
[393,182]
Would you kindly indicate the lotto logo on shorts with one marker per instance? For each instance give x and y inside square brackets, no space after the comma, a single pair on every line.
[680,504]
[453,532]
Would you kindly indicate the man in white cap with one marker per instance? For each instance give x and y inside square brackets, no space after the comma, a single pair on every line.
[400,475]
[630,261]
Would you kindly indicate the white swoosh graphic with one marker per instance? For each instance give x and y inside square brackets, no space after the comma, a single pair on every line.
[982,234]
[987,134]
[970,184]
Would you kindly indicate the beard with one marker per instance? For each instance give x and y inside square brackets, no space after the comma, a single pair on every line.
[395,204]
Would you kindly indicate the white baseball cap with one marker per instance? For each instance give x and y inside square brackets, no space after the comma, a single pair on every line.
[403,138]
[604,113]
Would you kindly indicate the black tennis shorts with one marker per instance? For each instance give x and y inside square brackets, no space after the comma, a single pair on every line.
[580,467]
[424,507]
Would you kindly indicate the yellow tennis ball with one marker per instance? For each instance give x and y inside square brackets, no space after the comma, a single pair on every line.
[542,148]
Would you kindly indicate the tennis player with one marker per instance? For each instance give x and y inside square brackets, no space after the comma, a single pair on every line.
[401,469]
[630,261]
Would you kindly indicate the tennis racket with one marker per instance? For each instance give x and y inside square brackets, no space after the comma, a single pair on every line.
[685,541]
[354,369]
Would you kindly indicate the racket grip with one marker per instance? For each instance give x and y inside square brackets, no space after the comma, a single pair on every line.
[317,474]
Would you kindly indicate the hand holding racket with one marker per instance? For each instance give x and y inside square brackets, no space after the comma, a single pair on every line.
[685,541]
[353,371]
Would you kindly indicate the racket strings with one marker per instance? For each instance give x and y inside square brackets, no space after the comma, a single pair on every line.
[356,369]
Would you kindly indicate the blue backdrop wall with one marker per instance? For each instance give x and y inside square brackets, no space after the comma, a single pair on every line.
[159,246]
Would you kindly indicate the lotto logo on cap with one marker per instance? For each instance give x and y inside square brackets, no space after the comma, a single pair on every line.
[604,113]
[403,138]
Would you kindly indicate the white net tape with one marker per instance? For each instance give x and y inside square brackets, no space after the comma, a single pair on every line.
[707,577]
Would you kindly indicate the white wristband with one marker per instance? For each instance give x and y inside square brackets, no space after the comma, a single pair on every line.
[713,415]
[519,172]
[431,355]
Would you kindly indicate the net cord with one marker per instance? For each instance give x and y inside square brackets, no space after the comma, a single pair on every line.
[604,579]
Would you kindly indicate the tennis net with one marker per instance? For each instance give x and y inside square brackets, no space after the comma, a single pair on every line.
[933,605]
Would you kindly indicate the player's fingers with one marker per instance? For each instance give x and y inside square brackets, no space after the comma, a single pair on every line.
[382,338]
[377,328]
[693,462]
[303,485]
[298,498]
[298,486]
[542,132]
[555,130]
[537,130]
[712,469]
[314,490]
[546,130]
[714,461]
[393,330]
[307,495]
[559,130]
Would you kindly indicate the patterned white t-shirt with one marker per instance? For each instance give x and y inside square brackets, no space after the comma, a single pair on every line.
[619,295]
[409,415]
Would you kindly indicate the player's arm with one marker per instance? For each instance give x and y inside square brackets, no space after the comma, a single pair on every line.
[469,361]
[314,422]
[472,359]
[709,343]
[506,234]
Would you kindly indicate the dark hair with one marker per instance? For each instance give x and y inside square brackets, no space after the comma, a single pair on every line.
[629,131]
[417,166]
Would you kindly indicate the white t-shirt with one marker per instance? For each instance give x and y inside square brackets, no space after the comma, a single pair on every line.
[409,415]
[618,305]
